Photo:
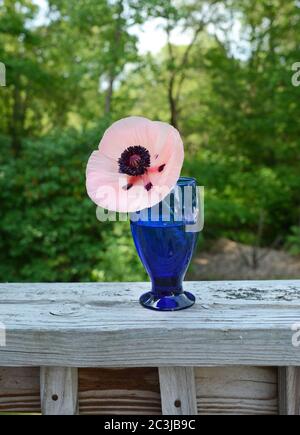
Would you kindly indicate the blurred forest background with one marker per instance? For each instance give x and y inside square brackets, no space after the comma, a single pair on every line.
[220,71]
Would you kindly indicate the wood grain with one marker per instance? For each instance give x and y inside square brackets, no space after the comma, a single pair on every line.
[237,391]
[59,390]
[20,390]
[178,390]
[289,390]
[102,325]
[119,391]
[136,391]
[101,391]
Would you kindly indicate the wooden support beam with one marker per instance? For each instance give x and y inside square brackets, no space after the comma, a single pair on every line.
[59,391]
[289,390]
[133,391]
[136,391]
[178,390]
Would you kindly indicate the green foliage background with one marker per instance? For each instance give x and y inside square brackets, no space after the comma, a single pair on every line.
[232,100]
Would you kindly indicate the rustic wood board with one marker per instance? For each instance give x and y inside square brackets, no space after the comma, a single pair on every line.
[59,390]
[20,390]
[237,391]
[132,391]
[178,390]
[102,325]
[289,390]
[136,391]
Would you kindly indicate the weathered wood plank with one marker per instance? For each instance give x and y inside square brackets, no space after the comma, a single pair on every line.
[88,325]
[178,390]
[119,391]
[20,390]
[237,391]
[101,391]
[59,391]
[289,391]
[228,390]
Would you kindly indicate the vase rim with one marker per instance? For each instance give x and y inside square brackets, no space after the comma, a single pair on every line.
[186,181]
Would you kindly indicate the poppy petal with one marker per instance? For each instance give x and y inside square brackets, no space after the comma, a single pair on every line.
[116,191]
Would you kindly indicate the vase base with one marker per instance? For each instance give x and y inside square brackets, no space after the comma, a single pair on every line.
[167,303]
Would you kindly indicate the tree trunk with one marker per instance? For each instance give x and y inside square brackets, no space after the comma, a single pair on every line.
[109,95]
[173,104]
[178,74]
[17,121]
[115,48]
[174,114]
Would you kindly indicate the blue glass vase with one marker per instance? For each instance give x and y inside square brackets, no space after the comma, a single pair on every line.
[165,238]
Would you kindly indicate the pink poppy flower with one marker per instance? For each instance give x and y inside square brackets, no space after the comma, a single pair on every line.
[137,165]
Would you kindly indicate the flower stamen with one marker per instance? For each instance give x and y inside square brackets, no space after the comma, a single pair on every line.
[134,161]
[128,186]
[155,169]
[147,182]
[149,186]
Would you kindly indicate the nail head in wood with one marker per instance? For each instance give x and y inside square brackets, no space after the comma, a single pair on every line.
[59,391]
[178,390]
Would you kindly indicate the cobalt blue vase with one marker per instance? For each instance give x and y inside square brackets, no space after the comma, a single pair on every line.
[165,237]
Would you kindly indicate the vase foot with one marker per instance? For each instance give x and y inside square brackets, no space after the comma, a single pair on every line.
[167,303]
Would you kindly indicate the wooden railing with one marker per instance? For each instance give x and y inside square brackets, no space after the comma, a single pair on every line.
[90,348]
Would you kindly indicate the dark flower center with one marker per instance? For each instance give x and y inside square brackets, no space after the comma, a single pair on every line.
[134,161]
